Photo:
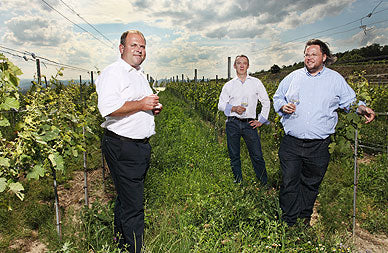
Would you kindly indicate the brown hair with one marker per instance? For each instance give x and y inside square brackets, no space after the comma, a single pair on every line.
[324,46]
[238,56]
[125,34]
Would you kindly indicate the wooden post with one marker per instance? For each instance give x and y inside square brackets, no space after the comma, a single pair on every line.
[183,79]
[216,78]
[45,81]
[195,75]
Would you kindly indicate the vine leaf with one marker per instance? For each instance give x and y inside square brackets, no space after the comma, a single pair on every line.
[17,188]
[4,122]
[57,161]
[4,162]
[10,103]
[3,184]
[37,171]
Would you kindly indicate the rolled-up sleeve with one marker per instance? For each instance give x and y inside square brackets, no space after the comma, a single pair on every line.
[223,102]
[108,90]
[265,104]
[279,99]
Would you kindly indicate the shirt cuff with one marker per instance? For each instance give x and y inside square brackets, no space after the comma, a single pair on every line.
[262,120]
[228,109]
[347,108]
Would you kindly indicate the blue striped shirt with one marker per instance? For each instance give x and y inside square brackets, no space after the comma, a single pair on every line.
[320,96]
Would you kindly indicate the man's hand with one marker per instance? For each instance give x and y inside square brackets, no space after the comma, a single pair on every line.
[238,109]
[157,109]
[255,123]
[149,102]
[367,112]
[288,108]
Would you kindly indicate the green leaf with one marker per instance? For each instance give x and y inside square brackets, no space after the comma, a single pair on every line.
[57,161]
[37,171]
[4,122]
[4,162]
[51,135]
[3,184]
[10,103]
[17,188]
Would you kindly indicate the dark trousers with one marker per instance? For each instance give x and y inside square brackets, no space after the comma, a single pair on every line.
[235,129]
[304,164]
[128,163]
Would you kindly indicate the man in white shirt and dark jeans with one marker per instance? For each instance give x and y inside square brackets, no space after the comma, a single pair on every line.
[238,100]
[128,104]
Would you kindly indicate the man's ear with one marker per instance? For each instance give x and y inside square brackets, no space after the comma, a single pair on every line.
[121,48]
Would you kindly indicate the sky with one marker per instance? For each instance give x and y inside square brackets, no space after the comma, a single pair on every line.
[182,35]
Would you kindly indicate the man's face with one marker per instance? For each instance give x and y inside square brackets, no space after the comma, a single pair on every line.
[313,59]
[133,52]
[241,65]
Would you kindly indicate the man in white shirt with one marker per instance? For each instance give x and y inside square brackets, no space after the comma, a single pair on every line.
[238,100]
[128,104]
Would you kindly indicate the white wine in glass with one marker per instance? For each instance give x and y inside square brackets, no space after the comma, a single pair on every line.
[159,89]
[294,99]
[244,103]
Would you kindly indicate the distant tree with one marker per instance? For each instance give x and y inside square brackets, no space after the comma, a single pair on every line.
[274,69]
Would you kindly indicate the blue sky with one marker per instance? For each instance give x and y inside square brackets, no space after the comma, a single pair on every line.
[184,35]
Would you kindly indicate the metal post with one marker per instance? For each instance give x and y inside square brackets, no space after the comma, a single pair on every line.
[91,77]
[38,70]
[57,212]
[103,170]
[183,79]
[229,67]
[85,173]
[355,180]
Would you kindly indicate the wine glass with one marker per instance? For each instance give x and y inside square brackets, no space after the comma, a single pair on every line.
[157,88]
[244,103]
[294,99]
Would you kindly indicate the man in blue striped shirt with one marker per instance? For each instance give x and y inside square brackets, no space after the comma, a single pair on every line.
[307,100]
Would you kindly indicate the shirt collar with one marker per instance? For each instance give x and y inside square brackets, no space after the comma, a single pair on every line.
[128,67]
[319,73]
[248,77]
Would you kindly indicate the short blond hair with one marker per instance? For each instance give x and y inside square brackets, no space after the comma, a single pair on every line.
[125,34]
[239,56]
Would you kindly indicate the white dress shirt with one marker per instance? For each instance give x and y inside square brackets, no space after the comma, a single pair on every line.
[118,83]
[235,90]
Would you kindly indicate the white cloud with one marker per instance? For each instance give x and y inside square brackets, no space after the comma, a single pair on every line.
[35,31]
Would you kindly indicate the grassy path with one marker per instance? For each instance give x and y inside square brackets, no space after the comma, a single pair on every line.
[192,205]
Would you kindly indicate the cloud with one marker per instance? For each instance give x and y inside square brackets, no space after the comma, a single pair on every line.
[35,31]
[228,18]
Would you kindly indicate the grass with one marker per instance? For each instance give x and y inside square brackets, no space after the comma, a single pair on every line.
[192,204]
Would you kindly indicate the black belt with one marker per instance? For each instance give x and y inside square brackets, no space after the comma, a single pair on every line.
[308,140]
[240,119]
[116,136]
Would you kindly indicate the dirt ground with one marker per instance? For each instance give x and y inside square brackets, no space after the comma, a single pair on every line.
[74,198]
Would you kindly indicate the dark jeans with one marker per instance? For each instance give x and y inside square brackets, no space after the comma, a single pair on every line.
[235,129]
[304,164]
[128,164]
